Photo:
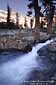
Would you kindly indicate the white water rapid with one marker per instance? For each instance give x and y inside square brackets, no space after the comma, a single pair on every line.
[17,70]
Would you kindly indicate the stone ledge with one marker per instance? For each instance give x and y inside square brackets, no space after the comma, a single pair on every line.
[14,43]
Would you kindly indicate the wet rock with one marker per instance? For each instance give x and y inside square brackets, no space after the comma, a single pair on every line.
[54,77]
[52,47]
[43,51]
[27,48]
[42,41]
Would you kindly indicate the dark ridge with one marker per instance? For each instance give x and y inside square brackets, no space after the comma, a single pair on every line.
[11,25]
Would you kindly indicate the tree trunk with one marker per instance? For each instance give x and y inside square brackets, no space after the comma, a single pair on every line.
[37,22]
[50,19]
[8,14]
[49,28]
[17,19]
[37,27]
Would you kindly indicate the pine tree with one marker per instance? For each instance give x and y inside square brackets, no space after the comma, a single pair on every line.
[17,19]
[49,9]
[35,5]
[8,14]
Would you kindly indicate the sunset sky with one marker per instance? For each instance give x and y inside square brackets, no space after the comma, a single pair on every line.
[17,5]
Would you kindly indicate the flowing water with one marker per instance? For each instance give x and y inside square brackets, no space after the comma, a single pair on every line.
[18,67]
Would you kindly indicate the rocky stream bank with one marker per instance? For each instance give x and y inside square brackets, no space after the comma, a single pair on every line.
[21,40]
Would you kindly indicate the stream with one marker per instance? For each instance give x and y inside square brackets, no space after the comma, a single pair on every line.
[17,67]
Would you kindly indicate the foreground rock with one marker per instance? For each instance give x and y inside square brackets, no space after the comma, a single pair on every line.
[14,43]
[20,39]
[44,37]
[27,48]
[52,47]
